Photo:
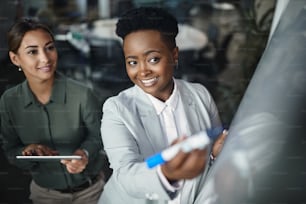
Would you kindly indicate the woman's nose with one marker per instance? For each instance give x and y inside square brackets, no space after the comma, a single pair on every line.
[144,69]
[44,57]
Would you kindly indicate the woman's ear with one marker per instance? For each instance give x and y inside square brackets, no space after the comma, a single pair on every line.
[175,54]
[14,58]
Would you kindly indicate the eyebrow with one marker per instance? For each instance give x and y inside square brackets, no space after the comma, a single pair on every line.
[35,46]
[145,54]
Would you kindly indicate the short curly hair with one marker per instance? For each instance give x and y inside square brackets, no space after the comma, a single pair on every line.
[149,18]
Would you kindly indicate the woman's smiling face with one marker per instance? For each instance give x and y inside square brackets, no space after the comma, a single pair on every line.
[37,55]
[150,62]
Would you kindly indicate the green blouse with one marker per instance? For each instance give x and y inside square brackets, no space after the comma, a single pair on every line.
[69,121]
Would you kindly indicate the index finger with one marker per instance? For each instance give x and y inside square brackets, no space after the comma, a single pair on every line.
[222,136]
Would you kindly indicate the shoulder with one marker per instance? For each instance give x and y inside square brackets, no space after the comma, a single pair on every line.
[72,84]
[74,87]
[75,91]
[192,88]
[13,91]
[10,98]
[195,93]
[126,99]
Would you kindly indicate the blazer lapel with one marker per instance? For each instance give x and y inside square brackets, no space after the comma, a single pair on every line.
[190,109]
[151,122]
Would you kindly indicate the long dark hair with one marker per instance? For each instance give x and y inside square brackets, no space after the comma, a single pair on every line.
[20,28]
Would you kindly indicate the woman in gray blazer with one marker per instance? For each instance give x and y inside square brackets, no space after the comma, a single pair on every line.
[157,112]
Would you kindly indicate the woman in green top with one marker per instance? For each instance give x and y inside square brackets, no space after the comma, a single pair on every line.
[49,114]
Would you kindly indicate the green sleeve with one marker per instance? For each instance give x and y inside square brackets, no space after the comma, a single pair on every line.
[11,143]
[91,115]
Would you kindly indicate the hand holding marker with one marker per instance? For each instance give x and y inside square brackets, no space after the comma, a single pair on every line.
[197,141]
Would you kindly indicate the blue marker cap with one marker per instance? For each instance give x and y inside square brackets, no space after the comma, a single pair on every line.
[214,132]
[155,160]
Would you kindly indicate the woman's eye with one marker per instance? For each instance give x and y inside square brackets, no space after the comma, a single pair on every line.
[50,48]
[132,63]
[32,52]
[154,60]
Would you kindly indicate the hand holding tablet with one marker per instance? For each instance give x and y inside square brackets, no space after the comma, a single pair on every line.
[39,150]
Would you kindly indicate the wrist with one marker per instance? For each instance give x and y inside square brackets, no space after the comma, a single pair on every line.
[212,159]
[166,175]
[86,152]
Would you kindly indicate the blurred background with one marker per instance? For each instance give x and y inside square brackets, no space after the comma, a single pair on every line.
[220,42]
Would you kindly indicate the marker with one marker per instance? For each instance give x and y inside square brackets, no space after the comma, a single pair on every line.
[197,141]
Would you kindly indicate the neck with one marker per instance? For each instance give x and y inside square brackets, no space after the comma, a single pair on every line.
[166,95]
[42,90]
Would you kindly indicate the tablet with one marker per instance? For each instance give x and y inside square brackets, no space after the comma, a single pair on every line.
[58,157]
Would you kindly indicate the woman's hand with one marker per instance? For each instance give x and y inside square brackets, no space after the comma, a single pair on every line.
[185,165]
[218,144]
[38,150]
[75,166]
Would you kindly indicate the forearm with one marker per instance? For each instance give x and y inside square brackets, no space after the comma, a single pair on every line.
[92,114]
[11,151]
[92,147]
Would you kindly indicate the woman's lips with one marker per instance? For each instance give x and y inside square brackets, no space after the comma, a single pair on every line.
[149,82]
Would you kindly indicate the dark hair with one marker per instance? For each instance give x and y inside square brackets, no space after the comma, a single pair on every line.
[20,28]
[149,18]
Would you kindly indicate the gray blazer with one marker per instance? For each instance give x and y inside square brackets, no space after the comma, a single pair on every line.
[131,132]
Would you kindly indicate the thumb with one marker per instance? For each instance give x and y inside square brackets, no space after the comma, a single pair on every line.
[63,161]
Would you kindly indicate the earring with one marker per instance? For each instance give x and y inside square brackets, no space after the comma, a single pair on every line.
[19,68]
[176,64]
